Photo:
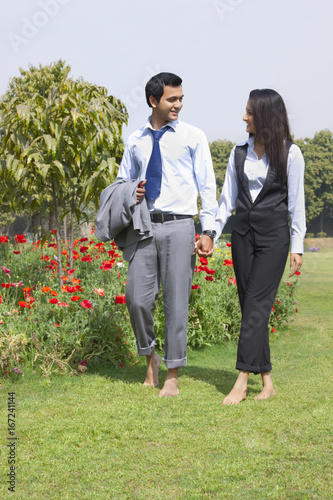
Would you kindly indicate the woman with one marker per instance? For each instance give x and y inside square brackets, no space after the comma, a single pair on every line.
[264,182]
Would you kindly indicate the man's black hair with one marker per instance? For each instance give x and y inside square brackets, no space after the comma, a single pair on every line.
[155,86]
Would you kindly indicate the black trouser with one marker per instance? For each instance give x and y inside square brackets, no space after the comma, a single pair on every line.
[259,262]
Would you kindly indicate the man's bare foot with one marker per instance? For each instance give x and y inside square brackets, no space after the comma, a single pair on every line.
[170,387]
[153,364]
[268,389]
[238,392]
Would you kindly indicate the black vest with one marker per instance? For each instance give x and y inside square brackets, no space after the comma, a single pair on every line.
[269,211]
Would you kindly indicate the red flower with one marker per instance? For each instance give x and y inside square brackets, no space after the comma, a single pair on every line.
[86,304]
[107,266]
[228,262]
[120,299]
[53,231]
[203,261]
[3,239]
[298,273]
[232,281]
[16,252]
[209,278]
[6,285]
[87,258]
[195,287]
[228,245]
[75,298]
[83,363]
[83,239]
[63,304]
[20,238]
[23,304]
[83,249]
[53,301]
[273,330]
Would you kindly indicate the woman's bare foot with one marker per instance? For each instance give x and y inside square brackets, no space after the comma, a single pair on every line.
[238,392]
[153,364]
[268,389]
[170,387]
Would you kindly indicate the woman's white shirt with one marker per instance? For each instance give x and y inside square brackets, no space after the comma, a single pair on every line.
[256,172]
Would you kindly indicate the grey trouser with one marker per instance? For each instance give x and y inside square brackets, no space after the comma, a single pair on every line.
[167,258]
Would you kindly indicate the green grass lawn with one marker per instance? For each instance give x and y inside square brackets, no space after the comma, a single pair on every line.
[103,435]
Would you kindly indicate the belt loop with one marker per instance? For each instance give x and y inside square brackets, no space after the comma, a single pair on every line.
[162,217]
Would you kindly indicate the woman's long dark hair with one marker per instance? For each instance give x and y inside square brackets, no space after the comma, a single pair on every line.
[272,127]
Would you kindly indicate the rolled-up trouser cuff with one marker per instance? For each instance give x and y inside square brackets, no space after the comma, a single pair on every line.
[146,351]
[253,369]
[175,363]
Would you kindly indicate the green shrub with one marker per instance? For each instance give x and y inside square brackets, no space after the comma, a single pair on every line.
[321,235]
[309,235]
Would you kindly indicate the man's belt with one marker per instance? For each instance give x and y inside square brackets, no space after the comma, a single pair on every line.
[161,217]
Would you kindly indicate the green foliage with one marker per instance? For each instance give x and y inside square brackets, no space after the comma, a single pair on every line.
[58,132]
[220,151]
[58,336]
[318,179]
[322,234]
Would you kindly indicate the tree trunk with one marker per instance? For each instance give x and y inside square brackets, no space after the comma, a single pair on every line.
[58,239]
[65,229]
[71,235]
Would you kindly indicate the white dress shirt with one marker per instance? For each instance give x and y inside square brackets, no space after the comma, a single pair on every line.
[186,170]
[256,172]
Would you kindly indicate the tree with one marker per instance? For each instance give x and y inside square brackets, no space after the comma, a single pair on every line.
[220,151]
[318,156]
[60,143]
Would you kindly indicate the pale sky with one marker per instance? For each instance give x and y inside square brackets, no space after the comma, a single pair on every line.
[222,49]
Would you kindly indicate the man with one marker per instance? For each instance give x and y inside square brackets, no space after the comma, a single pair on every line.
[173,161]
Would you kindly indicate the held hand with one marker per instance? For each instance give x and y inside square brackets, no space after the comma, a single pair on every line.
[204,247]
[140,192]
[296,260]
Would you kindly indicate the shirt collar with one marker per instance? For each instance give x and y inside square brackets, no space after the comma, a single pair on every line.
[173,124]
[250,142]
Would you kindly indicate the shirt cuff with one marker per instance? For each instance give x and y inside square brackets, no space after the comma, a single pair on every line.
[297,244]
[208,223]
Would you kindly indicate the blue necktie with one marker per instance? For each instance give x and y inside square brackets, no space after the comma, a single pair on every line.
[154,169]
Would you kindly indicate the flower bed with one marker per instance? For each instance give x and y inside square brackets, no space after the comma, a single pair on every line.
[65,329]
